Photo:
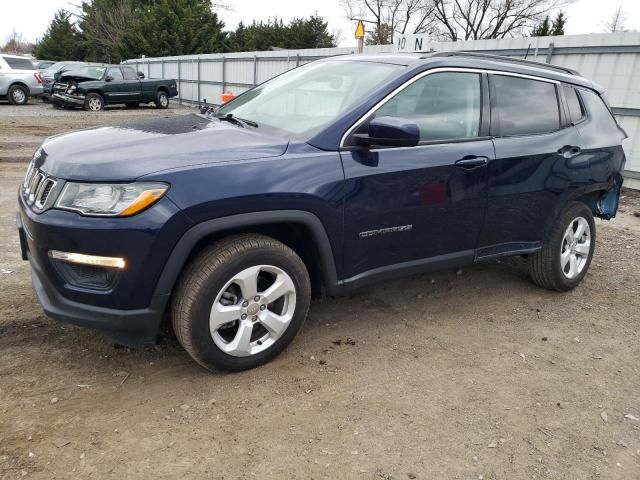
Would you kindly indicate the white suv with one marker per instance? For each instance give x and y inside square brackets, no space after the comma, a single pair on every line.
[19,79]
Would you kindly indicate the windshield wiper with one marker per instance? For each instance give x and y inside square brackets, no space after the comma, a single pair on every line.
[237,120]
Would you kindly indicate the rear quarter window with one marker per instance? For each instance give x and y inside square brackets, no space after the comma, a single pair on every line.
[19,63]
[524,106]
[602,128]
[576,112]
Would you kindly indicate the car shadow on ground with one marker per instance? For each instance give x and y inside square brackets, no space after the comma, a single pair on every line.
[409,299]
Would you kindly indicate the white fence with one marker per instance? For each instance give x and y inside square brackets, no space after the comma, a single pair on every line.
[612,60]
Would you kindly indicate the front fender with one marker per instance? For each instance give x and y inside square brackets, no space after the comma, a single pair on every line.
[191,237]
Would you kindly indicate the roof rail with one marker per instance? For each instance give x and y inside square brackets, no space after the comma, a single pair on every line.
[501,58]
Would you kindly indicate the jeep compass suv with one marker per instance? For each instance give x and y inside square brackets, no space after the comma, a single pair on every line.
[330,176]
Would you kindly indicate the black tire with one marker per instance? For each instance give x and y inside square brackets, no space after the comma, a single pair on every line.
[132,105]
[202,282]
[18,95]
[93,102]
[545,266]
[162,99]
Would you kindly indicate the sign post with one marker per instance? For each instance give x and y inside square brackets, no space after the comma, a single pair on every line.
[360,35]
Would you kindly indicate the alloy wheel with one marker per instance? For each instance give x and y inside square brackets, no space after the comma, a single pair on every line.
[95,104]
[18,96]
[576,245]
[253,310]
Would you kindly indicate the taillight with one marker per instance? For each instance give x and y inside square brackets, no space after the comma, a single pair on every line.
[38,77]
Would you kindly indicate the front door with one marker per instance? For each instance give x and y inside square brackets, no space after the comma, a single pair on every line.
[414,207]
[115,90]
[132,82]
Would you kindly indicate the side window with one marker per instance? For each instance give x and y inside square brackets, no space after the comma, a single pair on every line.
[445,106]
[19,63]
[525,107]
[129,73]
[576,112]
[115,73]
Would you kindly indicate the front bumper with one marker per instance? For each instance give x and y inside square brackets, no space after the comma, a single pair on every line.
[66,100]
[131,309]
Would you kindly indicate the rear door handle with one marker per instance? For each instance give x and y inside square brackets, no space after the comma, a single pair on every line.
[471,162]
[569,151]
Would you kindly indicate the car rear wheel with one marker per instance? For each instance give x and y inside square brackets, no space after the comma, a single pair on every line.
[93,102]
[17,95]
[162,100]
[240,302]
[567,252]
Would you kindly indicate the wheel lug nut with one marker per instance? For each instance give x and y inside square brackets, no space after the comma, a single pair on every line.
[254,318]
[256,298]
[262,307]
[245,303]
[244,316]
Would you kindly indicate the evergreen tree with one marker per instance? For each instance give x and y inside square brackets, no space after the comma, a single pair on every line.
[174,27]
[381,35]
[557,28]
[542,30]
[549,28]
[299,33]
[61,41]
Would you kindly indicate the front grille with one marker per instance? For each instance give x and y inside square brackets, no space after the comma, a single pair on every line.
[37,188]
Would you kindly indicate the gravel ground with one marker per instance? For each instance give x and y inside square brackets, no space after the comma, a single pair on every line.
[455,375]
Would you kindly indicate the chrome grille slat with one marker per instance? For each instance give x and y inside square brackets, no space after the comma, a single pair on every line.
[33,186]
[43,193]
[37,187]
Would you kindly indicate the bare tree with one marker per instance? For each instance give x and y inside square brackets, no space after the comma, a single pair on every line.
[617,21]
[392,16]
[479,19]
[16,44]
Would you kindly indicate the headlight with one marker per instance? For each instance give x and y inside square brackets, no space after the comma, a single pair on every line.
[112,200]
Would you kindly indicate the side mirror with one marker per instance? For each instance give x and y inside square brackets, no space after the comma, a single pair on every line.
[390,132]
[109,78]
[141,75]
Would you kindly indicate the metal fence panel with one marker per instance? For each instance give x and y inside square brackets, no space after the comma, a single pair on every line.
[611,60]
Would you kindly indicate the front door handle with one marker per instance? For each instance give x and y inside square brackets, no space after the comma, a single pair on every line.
[569,151]
[471,162]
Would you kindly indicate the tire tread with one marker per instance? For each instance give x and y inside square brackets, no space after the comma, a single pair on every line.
[202,267]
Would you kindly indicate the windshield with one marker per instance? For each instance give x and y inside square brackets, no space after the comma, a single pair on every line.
[87,72]
[56,66]
[306,99]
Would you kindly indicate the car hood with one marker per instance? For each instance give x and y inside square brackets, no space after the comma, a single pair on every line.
[75,76]
[126,152]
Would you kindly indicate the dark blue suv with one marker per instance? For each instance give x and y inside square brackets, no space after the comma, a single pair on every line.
[332,175]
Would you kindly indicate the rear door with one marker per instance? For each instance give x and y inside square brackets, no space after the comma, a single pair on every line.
[132,83]
[420,207]
[538,163]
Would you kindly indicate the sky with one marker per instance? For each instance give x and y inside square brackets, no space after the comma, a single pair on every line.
[31,17]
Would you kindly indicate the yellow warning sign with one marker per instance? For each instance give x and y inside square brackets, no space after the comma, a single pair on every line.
[360,29]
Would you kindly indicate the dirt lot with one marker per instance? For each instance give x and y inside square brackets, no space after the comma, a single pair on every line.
[456,375]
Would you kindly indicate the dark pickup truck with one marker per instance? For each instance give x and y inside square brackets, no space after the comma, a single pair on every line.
[94,87]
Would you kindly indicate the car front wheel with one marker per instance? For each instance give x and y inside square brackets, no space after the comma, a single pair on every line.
[240,302]
[567,252]
[93,102]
